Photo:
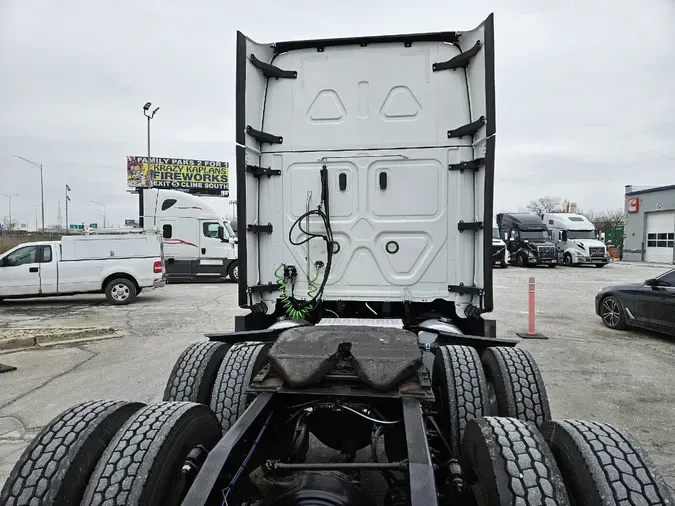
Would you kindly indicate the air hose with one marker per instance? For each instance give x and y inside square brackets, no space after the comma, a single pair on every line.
[292,308]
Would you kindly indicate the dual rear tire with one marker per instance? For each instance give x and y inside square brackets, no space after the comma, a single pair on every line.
[494,413]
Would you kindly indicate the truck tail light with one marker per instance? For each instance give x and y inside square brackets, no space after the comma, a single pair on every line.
[157,268]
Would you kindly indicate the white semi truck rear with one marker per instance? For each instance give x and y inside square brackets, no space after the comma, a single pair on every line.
[384,151]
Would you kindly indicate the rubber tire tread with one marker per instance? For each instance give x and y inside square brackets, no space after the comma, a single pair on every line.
[194,373]
[462,383]
[56,466]
[144,459]
[518,384]
[602,466]
[512,463]
[133,293]
[229,397]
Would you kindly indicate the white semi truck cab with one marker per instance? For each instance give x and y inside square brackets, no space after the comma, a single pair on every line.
[575,238]
[500,253]
[198,243]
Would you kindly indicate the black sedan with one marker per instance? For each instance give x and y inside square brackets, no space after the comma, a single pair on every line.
[649,305]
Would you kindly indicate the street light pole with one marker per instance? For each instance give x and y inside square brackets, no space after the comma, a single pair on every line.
[141,206]
[67,200]
[42,186]
[9,197]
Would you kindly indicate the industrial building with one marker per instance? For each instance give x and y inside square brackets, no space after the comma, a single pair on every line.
[650,224]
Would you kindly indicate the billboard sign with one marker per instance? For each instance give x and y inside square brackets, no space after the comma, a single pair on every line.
[193,176]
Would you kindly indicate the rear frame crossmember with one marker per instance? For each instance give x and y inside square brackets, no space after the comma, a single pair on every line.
[421,480]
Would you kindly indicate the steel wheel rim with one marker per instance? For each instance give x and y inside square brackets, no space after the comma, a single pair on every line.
[120,292]
[235,273]
[611,312]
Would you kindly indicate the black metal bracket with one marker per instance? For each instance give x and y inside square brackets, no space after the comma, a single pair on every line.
[472,311]
[262,171]
[469,225]
[270,70]
[245,428]
[263,137]
[459,61]
[465,290]
[468,129]
[470,165]
[269,287]
[257,229]
[421,479]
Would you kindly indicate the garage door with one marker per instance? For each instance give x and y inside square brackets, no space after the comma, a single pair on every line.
[660,236]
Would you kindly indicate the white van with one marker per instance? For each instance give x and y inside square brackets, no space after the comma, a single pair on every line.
[198,245]
[575,238]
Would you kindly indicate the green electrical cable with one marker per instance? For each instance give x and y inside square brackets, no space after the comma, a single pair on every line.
[287,300]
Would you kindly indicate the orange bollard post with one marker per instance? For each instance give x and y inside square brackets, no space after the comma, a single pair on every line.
[531,311]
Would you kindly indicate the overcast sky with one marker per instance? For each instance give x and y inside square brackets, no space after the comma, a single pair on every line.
[585,90]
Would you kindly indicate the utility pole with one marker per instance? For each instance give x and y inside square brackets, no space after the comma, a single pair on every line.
[141,206]
[103,206]
[9,197]
[36,206]
[42,186]
[67,200]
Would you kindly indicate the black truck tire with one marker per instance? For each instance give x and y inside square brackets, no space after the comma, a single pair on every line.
[603,467]
[521,260]
[193,374]
[506,461]
[240,364]
[515,386]
[461,391]
[233,271]
[142,465]
[120,291]
[55,468]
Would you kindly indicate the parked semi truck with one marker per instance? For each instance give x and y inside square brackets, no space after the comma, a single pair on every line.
[365,170]
[576,239]
[500,254]
[198,243]
[527,239]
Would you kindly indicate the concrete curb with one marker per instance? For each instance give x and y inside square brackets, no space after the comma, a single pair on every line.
[41,337]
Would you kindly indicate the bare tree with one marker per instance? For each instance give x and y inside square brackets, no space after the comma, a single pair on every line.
[544,205]
[612,218]
[9,225]
[604,219]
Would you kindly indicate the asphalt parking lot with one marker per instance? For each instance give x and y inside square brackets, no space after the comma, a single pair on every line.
[624,378]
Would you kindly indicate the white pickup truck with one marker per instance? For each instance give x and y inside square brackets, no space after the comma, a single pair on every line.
[118,265]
